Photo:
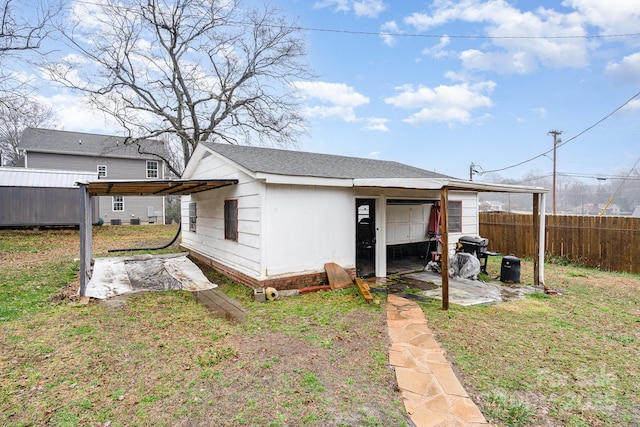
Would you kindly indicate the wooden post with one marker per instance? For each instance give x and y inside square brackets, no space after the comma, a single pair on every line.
[536,239]
[542,240]
[86,232]
[539,239]
[444,236]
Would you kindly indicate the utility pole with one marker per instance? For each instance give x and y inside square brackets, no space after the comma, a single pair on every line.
[473,169]
[556,140]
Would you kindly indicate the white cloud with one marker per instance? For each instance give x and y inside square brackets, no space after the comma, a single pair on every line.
[374,155]
[627,70]
[376,124]
[451,104]
[389,27]
[632,107]
[516,42]
[366,8]
[336,101]
[438,51]
[339,5]
[540,111]
[501,62]
[369,8]
[73,113]
[612,17]
[335,93]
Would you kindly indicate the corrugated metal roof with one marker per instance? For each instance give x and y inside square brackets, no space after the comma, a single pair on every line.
[300,163]
[164,187]
[88,144]
[20,177]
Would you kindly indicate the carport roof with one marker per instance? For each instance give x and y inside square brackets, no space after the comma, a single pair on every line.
[165,187]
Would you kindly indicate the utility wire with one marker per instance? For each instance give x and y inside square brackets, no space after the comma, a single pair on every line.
[568,140]
[434,36]
[407,35]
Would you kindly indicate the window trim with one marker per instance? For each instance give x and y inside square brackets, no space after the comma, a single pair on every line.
[193,216]
[102,175]
[114,203]
[156,170]
[450,222]
[231,222]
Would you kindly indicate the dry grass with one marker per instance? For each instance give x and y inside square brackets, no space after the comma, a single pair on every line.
[162,359]
[318,359]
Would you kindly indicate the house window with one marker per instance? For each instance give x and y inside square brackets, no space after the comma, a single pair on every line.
[455,217]
[152,169]
[117,203]
[231,220]
[192,216]
[102,171]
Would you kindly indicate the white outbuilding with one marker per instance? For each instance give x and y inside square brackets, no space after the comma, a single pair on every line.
[291,212]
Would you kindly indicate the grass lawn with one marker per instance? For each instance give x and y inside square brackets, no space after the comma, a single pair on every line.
[161,359]
[570,360]
[318,359]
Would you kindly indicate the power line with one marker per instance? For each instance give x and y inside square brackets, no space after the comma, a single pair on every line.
[414,35]
[451,36]
[568,140]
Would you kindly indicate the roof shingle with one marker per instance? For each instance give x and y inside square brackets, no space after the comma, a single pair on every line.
[89,144]
[300,163]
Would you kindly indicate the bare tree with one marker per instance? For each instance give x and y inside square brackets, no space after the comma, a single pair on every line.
[189,70]
[23,28]
[22,113]
[19,32]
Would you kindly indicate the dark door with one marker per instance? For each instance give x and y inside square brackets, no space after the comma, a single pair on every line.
[366,237]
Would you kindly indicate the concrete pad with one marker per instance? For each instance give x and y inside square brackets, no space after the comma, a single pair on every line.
[468,292]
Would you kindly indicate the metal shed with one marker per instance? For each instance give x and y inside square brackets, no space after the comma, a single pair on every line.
[41,197]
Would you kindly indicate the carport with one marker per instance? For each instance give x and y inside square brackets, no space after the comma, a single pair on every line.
[445,186]
[91,189]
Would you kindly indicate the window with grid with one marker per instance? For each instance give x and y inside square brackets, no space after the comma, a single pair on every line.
[152,169]
[102,171]
[117,203]
[231,220]
[192,216]
[455,217]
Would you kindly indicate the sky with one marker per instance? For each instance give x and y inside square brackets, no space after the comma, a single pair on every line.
[445,84]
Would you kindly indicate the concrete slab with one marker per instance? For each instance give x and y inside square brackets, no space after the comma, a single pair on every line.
[121,275]
[468,292]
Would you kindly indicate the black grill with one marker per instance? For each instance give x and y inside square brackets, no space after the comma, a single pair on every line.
[476,246]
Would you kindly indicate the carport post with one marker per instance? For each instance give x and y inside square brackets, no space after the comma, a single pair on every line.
[444,237]
[86,233]
[539,236]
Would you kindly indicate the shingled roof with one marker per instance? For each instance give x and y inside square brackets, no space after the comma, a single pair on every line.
[88,144]
[300,163]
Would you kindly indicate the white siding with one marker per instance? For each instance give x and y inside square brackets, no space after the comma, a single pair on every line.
[470,219]
[244,254]
[308,226]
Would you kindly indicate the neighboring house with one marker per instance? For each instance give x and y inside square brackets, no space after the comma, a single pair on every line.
[110,158]
[491,206]
[291,212]
[41,198]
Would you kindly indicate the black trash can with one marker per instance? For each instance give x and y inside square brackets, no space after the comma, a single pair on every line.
[510,270]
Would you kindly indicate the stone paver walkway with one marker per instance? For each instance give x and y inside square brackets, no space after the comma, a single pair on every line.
[431,391]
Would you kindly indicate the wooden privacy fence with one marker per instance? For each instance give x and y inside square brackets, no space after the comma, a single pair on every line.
[609,243]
